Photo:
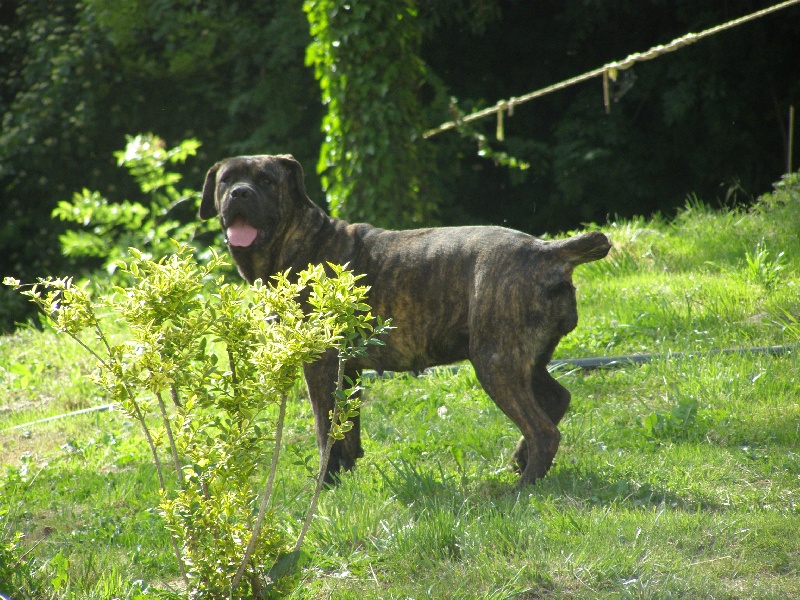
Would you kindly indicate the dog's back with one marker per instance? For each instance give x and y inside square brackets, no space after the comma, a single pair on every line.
[440,285]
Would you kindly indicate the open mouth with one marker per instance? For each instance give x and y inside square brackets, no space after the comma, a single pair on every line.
[242,234]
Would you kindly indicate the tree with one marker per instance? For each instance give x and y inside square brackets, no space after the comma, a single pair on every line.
[366,58]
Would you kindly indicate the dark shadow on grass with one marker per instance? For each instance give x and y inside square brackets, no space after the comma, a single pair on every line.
[589,487]
[424,487]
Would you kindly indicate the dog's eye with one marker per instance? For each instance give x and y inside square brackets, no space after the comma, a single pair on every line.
[266,176]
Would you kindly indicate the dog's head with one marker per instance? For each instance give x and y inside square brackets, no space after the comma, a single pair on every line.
[253,195]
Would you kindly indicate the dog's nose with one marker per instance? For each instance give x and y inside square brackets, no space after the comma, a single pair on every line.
[241,192]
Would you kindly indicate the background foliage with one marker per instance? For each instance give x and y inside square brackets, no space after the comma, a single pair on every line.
[366,58]
[76,78]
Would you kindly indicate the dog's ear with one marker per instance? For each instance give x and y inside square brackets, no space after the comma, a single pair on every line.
[296,176]
[208,207]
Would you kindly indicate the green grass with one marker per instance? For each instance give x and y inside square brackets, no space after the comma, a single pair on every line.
[678,478]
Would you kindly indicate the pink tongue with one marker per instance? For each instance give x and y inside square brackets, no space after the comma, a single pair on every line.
[241,233]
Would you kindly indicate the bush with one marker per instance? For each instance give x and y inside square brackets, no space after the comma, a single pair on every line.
[211,363]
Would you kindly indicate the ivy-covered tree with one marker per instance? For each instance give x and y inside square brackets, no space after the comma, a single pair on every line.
[366,58]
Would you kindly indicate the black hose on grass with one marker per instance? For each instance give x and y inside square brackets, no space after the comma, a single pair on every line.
[610,362]
[584,364]
[638,359]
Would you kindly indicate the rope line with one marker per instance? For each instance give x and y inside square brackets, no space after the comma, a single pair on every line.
[607,71]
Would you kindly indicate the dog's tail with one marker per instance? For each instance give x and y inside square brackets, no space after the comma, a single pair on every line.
[580,249]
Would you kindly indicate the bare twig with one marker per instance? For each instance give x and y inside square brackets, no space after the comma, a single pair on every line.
[265,496]
[140,417]
[175,458]
[176,400]
[323,463]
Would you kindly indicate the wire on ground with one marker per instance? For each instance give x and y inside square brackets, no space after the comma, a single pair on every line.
[600,362]
[585,364]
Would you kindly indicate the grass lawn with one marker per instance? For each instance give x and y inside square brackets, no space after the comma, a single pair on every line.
[678,478]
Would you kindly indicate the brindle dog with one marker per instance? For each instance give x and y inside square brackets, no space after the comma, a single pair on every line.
[498,297]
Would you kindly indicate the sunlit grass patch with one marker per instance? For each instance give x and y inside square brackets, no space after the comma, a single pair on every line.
[676,478]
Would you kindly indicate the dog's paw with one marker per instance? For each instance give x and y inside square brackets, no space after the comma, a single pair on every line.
[531,466]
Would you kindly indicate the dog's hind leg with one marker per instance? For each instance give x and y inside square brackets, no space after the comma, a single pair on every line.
[550,395]
[510,383]
[553,398]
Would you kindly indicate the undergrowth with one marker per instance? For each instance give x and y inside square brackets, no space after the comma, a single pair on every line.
[678,478]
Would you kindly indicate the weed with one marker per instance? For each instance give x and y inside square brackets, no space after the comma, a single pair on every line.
[675,424]
[764,269]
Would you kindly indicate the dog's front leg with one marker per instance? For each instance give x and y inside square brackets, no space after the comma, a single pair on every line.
[351,445]
[321,381]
